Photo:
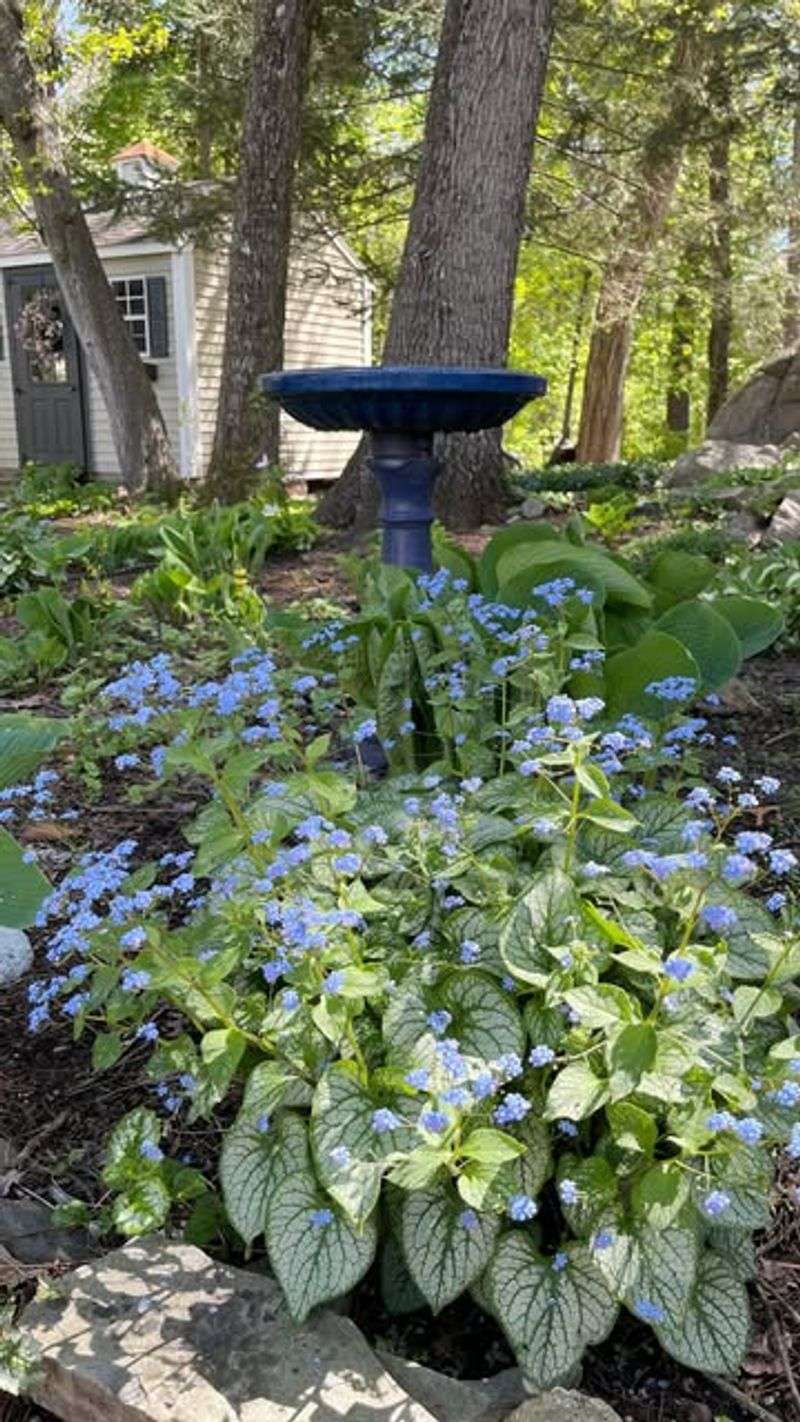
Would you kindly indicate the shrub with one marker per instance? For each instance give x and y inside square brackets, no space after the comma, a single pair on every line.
[636,475]
[529,1035]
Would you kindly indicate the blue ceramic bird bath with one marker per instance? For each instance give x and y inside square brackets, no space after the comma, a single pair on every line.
[402,408]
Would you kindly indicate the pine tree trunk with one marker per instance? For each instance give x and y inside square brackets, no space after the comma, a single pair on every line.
[26,113]
[791,317]
[248,425]
[719,182]
[640,226]
[681,352]
[452,304]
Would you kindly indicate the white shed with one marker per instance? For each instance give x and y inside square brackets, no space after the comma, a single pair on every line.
[173,299]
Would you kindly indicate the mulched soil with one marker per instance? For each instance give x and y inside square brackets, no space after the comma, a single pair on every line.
[55,1114]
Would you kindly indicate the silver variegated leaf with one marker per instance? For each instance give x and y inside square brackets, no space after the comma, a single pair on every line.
[443,1254]
[540,920]
[667,1268]
[549,1316]
[485,1020]
[711,1332]
[341,1115]
[251,1164]
[313,1261]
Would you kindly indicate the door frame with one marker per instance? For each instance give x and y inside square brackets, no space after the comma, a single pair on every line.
[46,271]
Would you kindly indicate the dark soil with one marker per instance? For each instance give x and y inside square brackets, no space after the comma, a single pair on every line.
[55,1113]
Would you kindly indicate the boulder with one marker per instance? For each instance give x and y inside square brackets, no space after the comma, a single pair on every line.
[719,456]
[16,955]
[561,1405]
[532,507]
[158,1332]
[785,523]
[766,408]
[449,1400]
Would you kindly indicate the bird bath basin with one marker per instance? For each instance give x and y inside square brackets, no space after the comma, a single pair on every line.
[402,408]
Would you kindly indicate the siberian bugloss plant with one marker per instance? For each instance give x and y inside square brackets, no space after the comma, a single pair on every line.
[517,1024]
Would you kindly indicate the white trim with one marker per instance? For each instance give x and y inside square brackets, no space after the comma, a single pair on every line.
[349,255]
[42,258]
[125,314]
[183,305]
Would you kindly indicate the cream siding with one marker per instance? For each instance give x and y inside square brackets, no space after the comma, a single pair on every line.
[9,452]
[101,455]
[327,323]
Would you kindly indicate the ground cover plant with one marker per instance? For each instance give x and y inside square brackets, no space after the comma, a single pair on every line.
[527,1032]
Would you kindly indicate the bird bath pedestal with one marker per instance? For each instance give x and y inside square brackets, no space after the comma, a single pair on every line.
[402,408]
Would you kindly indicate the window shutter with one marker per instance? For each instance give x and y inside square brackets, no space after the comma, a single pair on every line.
[157,315]
[2,343]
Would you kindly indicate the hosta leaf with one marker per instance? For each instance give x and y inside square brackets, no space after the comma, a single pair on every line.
[549,1316]
[675,575]
[486,1021]
[711,1331]
[708,636]
[342,1116]
[313,1263]
[442,1254]
[25,741]
[22,886]
[628,674]
[251,1163]
[543,918]
[757,624]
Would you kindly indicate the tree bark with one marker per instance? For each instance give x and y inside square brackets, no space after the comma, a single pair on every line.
[27,114]
[248,425]
[640,226]
[719,185]
[453,299]
[681,352]
[791,317]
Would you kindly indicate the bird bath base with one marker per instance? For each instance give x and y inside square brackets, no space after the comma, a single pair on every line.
[405,469]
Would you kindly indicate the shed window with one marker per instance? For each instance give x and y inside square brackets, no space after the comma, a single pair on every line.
[131,298]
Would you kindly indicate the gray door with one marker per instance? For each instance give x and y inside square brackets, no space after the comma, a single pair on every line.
[47,370]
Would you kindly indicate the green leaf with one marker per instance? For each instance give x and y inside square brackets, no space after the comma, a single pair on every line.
[491,1146]
[603,1006]
[341,1115]
[443,1256]
[675,575]
[22,886]
[537,559]
[757,624]
[143,1207]
[660,1194]
[631,1052]
[269,1086]
[575,1093]
[251,1163]
[711,1331]
[549,1317]
[632,1128]
[709,637]
[221,1051]
[399,1292]
[628,674]
[124,1160]
[107,1048]
[486,1020]
[597,1191]
[543,918]
[312,1264]
[609,815]
[25,741]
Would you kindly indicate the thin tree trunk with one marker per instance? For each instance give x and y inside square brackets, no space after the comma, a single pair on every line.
[572,374]
[26,112]
[719,183]
[453,300]
[247,425]
[681,352]
[791,317]
[640,227]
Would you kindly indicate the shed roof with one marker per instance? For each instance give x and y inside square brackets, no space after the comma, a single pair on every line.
[146,150]
[108,231]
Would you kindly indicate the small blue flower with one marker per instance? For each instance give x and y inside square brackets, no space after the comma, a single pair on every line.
[384,1120]
[782,861]
[340,1157]
[434,1121]
[262,1123]
[148,1150]
[560,1262]
[603,1239]
[439,1021]
[468,1220]
[320,1219]
[679,969]
[469,951]
[333,983]
[749,1130]
[513,1108]
[648,1311]
[132,980]
[716,1203]
[347,863]
[541,1056]
[775,902]
[568,1192]
[719,917]
[418,1078]
[522,1208]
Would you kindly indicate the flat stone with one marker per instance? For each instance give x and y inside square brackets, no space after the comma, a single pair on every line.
[450,1400]
[742,524]
[561,1405]
[785,523]
[16,955]
[158,1332]
[532,507]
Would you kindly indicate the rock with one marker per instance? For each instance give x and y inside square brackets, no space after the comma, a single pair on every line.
[158,1332]
[718,456]
[532,507]
[742,524]
[785,523]
[16,955]
[791,442]
[29,1236]
[563,1406]
[449,1400]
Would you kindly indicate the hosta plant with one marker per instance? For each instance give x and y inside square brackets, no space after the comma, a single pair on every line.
[530,1036]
